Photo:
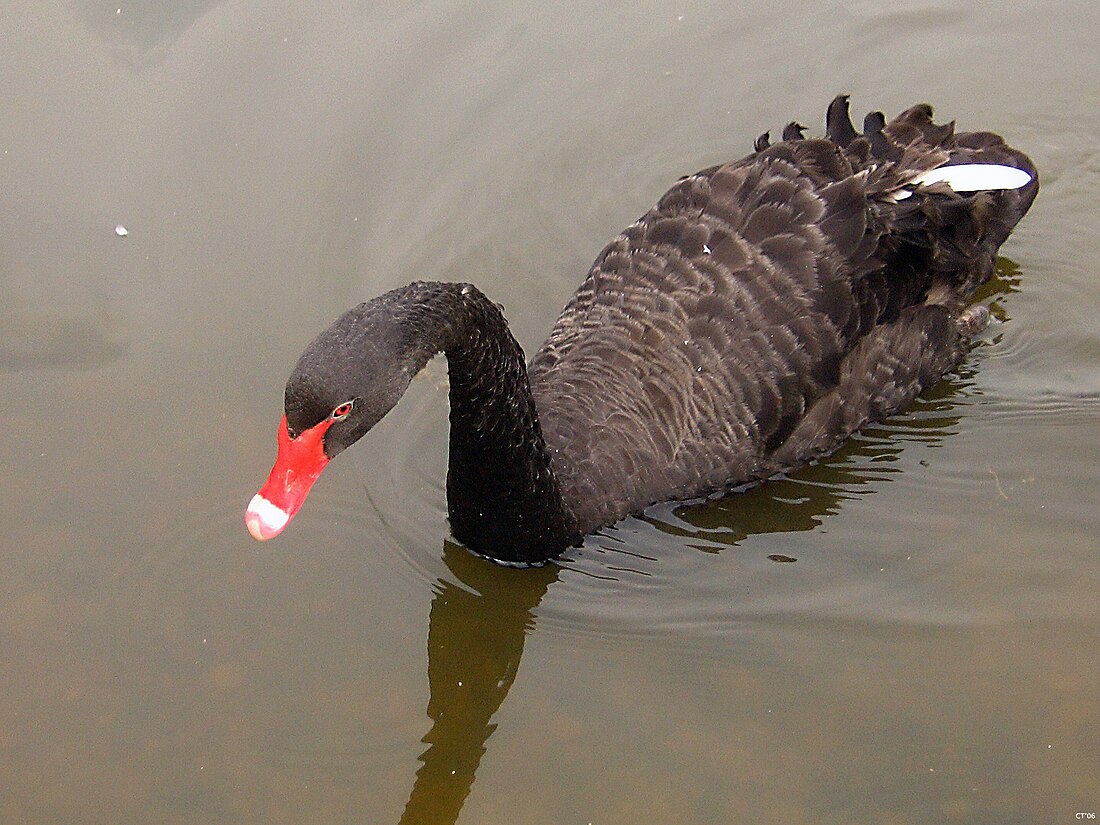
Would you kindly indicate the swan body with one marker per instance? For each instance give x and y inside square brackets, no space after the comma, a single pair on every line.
[760,314]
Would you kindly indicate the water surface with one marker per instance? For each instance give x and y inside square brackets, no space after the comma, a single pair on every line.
[929,656]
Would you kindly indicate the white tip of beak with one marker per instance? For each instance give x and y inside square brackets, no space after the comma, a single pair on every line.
[263,519]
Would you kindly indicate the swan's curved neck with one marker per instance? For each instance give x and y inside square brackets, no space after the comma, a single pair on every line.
[502,497]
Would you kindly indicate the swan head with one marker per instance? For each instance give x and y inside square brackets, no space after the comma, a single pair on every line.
[347,379]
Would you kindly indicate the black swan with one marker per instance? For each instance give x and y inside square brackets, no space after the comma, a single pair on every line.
[762,312]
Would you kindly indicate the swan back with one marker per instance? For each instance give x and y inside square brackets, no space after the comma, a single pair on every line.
[706,332]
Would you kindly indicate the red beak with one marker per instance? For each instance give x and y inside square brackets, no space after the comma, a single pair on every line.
[298,464]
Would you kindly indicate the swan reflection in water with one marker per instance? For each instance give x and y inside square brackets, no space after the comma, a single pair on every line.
[475,642]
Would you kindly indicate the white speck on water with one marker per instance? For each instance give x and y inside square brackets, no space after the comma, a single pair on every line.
[118,11]
[679,18]
[121,231]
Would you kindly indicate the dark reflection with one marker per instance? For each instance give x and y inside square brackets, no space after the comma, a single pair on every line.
[1005,281]
[53,337]
[74,343]
[800,501]
[475,640]
[477,628]
[141,33]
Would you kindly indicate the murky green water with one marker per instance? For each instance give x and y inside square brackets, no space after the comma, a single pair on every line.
[930,657]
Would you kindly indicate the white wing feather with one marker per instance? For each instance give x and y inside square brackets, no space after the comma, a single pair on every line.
[970,177]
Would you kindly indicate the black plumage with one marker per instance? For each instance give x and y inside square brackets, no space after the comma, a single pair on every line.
[763,311]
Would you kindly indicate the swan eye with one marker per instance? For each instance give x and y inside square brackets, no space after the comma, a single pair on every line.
[342,412]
